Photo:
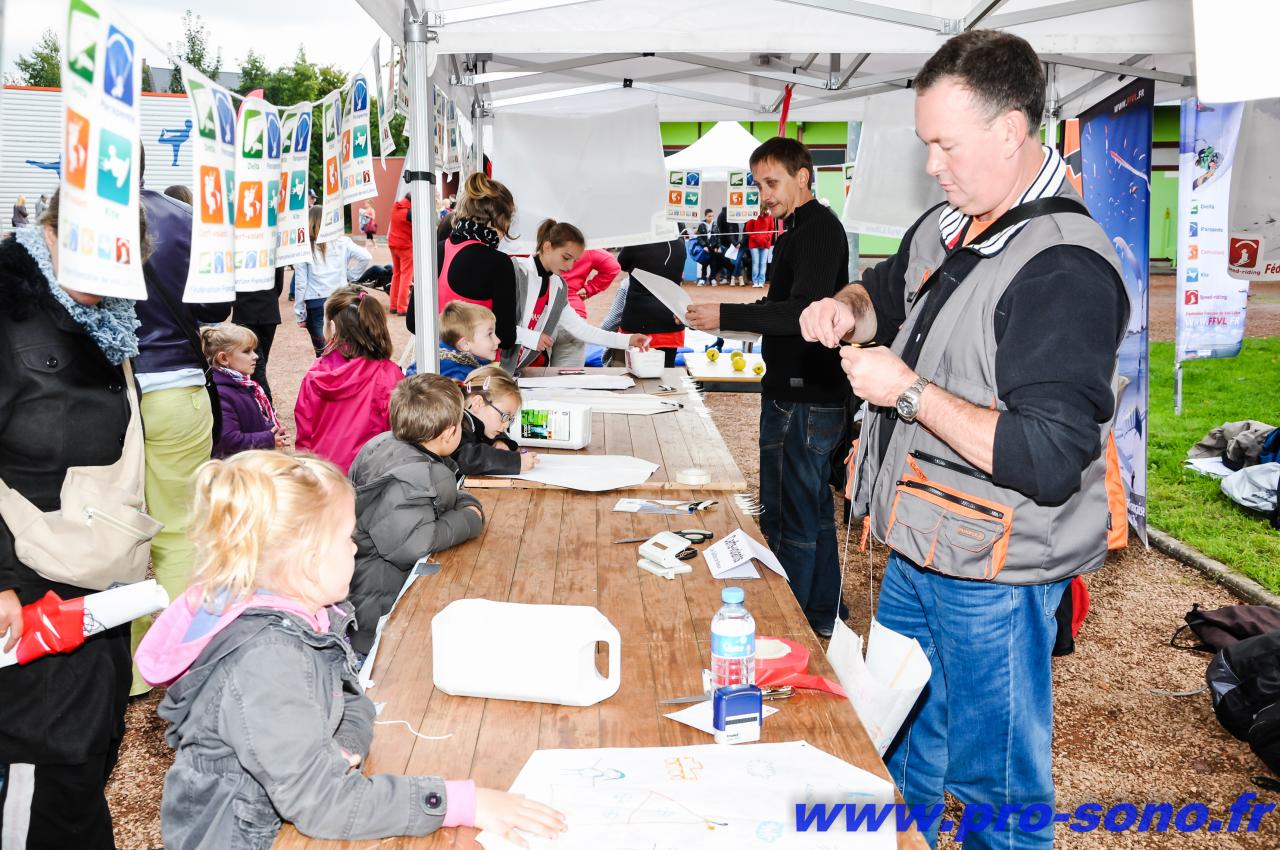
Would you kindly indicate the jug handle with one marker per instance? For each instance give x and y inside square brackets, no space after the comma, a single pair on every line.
[609,684]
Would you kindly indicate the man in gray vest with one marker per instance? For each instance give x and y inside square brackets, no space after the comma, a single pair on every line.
[989,391]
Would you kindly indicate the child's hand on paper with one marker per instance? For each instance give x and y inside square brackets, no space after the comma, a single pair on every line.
[507,814]
[528,462]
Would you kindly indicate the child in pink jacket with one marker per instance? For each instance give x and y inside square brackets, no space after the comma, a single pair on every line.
[344,397]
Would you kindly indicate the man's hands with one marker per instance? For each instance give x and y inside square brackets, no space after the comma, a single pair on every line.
[877,374]
[828,321]
[10,618]
[703,317]
[507,814]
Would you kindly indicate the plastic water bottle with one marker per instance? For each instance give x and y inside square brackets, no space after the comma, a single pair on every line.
[733,642]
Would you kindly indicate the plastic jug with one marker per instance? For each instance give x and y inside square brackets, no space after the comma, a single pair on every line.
[536,653]
[552,424]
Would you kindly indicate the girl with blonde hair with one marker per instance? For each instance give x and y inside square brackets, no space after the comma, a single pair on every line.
[264,704]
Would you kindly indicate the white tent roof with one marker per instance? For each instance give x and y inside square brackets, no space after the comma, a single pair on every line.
[730,59]
[725,146]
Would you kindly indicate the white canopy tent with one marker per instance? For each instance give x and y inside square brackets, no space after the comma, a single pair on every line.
[489,56]
[726,146]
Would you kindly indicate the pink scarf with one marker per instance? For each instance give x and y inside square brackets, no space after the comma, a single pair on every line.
[264,404]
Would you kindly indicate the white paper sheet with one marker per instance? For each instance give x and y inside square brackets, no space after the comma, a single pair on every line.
[701,716]
[607,401]
[1210,466]
[669,507]
[709,797]
[590,473]
[581,382]
[672,295]
[884,688]
[730,557]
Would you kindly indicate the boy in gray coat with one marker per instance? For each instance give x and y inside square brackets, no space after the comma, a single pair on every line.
[410,501]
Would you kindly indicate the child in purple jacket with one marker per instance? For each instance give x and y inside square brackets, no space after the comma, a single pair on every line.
[248,420]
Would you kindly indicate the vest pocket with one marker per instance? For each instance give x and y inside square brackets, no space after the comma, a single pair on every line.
[948,530]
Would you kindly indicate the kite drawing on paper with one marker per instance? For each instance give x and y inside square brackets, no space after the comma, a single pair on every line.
[710,797]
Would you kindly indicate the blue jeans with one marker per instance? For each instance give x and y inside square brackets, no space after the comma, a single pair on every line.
[315,323]
[798,520]
[758,263]
[983,728]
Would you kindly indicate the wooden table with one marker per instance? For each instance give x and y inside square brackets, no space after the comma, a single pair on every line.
[675,441]
[554,546]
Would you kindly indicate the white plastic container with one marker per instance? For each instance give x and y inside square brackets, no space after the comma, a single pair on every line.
[535,653]
[553,424]
[646,364]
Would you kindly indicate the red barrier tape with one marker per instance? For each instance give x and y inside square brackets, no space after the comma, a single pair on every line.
[790,669]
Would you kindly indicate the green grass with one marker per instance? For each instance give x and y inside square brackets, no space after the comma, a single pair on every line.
[1191,506]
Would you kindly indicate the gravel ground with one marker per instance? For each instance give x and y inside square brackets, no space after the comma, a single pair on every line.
[1114,740]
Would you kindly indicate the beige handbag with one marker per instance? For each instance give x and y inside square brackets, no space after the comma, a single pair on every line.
[101,535]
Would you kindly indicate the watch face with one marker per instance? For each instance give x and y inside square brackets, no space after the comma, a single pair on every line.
[906,410]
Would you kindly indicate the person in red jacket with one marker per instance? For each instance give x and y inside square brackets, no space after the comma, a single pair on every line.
[400,241]
[593,273]
[760,237]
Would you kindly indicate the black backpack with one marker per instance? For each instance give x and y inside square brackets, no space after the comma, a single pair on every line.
[1244,681]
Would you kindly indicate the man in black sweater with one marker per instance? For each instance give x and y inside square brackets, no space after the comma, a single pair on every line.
[804,395]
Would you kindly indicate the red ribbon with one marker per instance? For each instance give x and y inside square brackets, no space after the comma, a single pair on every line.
[786,107]
[50,625]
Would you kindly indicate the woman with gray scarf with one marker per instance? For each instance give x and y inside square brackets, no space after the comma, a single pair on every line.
[62,404]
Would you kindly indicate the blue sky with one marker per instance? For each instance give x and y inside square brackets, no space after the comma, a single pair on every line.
[333,31]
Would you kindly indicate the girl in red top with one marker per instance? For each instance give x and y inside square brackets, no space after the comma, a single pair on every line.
[760,238]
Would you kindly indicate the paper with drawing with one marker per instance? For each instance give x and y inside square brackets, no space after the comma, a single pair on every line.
[711,797]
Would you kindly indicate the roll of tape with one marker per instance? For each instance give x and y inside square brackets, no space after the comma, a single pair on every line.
[693,477]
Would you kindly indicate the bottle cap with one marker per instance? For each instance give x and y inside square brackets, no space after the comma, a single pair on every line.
[732,595]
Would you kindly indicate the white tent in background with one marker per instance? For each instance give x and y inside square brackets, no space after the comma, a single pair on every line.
[731,59]
[726,146]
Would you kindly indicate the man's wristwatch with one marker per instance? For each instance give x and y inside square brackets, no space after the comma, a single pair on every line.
[908,404]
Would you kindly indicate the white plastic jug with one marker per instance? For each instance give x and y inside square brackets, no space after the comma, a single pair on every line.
[553,424]
[536,653]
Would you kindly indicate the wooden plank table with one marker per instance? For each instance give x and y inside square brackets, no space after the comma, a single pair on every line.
[675,441]
[555,546]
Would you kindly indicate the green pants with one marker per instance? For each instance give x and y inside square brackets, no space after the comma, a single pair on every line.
[179,437]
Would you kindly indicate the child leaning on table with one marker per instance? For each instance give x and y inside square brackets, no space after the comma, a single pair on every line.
[264,706]
[410,501]
[493,401]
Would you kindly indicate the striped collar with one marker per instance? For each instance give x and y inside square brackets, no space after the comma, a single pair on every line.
[952,223]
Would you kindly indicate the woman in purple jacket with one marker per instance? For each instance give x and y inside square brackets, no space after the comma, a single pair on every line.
[248,419]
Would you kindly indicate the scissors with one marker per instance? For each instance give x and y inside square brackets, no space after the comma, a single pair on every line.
[693,535]
[783,692]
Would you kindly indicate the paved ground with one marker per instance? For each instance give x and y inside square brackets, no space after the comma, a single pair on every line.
[1114,740]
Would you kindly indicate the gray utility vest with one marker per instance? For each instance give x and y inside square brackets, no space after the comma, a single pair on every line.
[929,504]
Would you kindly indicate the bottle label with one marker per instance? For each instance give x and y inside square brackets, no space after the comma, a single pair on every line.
[733,646]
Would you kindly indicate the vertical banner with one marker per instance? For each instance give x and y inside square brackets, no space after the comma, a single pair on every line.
[1253,251]
[847,170]
[98,233]
[452,155]
[211,275]
[684,190]
[400,73]
[331,191]
[744,197]
[1210,304]
[257,191]
[1115,149]
[386,144]
[356,168]
[293,240]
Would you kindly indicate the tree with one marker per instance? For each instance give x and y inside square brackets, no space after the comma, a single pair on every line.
[147,84]
[43,67]
[254,73]
[195,52]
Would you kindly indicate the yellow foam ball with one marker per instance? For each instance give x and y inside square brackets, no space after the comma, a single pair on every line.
[712,355]
[758,368]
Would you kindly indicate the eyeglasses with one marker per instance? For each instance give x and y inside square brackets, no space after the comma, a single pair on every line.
[506,417]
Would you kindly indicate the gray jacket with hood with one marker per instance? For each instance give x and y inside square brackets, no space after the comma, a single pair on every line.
[409,504]
[259,723]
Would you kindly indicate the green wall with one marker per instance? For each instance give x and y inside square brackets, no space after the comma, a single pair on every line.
[1164,184]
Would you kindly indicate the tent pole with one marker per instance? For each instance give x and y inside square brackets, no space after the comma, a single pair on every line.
[851,155]
[420,175]
[1051,107]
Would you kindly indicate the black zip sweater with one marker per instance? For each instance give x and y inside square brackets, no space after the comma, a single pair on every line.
[810,262]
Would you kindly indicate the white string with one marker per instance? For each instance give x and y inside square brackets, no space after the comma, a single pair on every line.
[412,731]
